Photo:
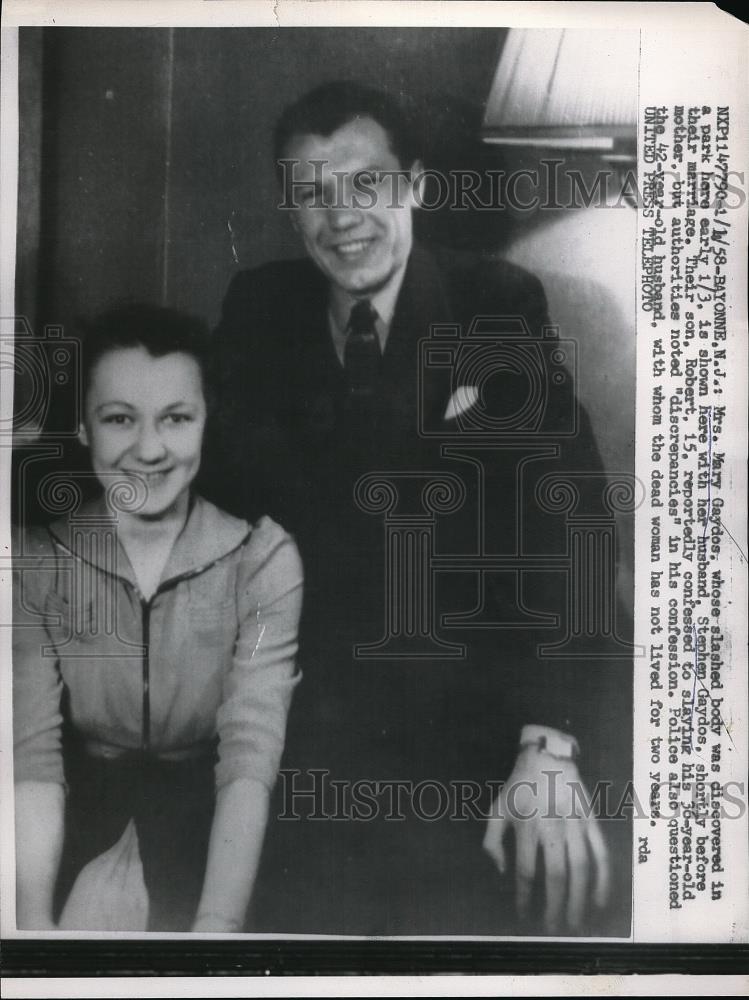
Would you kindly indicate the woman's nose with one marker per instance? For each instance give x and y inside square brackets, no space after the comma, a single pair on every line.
[150,445]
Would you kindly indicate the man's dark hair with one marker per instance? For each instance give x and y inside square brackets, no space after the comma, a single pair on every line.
[331,105]
[158,329]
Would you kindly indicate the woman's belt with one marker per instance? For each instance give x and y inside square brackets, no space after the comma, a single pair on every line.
[107,751]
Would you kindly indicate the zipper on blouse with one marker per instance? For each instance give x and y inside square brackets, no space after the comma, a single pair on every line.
[145,606]
[145,742]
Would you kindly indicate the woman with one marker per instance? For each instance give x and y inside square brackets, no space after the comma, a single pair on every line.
[154,653]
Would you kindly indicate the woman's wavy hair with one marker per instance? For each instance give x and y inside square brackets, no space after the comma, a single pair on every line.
[159,329]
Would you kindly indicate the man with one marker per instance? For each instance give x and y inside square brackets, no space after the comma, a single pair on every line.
[328,419]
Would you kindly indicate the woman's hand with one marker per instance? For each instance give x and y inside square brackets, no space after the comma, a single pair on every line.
[215,923]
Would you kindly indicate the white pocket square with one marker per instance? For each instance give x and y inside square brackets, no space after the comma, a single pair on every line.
[464,397]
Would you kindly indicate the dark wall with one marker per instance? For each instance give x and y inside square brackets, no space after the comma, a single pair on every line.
[103,167]
[154,141]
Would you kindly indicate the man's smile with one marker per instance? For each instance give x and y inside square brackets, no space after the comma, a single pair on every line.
[352,248]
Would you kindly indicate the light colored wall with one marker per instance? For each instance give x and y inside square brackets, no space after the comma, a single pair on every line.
[585,258]
[586,262]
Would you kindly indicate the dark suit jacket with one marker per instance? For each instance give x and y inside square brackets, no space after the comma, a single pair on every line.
[279,374]
[288,442]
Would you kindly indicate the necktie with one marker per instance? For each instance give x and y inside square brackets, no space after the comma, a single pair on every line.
[361,357]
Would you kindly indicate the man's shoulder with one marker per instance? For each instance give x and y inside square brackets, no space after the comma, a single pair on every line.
[472,271]
[268,304]
[276,277]
[484,285]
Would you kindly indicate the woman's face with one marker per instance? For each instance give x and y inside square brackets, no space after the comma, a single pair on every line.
[143,421]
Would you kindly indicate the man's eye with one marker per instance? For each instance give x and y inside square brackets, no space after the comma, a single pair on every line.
[118,419]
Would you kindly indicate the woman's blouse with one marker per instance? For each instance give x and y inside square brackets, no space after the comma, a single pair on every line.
[211,653]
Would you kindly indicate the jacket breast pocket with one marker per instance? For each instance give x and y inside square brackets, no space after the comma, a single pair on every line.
[212,623]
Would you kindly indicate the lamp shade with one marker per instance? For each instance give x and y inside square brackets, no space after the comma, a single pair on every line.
[564,88]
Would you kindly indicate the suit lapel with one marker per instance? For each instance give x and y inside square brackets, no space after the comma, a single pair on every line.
[424,300]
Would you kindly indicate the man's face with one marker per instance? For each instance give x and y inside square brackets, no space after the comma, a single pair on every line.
[354,219]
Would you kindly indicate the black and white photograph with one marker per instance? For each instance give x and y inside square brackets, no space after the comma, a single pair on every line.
[325,345]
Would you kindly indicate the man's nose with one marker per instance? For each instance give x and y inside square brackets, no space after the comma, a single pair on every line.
[150,445]
[343,217]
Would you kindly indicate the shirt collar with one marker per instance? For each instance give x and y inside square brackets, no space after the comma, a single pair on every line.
[383,302]
[208,535]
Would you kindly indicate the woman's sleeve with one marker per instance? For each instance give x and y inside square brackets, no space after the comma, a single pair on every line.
[37,684]
[257,692]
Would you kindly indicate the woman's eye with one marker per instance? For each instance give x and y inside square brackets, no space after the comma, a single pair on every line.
[179,418]
[118,419]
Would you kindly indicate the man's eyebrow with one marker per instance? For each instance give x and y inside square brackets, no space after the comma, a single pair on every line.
[379,169]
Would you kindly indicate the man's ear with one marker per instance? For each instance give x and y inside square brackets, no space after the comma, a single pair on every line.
[83,434]
[418,181]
